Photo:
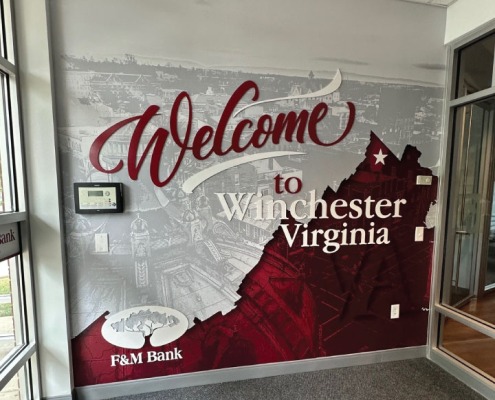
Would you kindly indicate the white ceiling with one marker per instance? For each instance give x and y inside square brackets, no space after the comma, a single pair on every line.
[438,3]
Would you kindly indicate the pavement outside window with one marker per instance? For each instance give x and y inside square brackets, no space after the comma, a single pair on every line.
[7,339]
[11,391]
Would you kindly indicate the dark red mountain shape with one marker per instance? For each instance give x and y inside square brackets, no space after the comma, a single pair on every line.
[301,303]
[290,291]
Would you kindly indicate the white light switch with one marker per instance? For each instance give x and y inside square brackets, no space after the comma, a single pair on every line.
[423,180]
[394,311]
[101,242]
[419,234]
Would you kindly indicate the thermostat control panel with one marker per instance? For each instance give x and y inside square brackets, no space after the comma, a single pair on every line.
[98,198]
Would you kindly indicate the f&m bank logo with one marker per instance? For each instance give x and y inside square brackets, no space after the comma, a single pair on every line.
[130,328]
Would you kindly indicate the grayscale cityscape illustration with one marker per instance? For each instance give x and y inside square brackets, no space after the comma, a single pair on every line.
[181,250]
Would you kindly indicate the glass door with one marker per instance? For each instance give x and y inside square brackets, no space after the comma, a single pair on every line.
[463,322]
[470,197]
[487,283]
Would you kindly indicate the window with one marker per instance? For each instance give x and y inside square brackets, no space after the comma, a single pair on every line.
[475,68]
[466,322]
[18,371]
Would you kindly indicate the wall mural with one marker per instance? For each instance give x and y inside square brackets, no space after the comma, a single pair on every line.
[271,214]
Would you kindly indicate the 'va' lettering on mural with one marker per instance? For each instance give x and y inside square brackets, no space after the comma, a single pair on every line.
[209,140]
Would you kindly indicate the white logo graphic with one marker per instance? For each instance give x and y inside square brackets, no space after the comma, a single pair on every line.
[129,328]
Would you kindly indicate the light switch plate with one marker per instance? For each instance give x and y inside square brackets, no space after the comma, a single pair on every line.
[394,311]
[424,180]
[101,242]
[419,234]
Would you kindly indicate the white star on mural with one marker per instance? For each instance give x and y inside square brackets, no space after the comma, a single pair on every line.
[380,157]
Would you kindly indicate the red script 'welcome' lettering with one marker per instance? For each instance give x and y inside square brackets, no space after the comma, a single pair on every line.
[290,127]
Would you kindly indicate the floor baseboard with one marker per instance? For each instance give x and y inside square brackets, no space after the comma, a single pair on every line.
[104,391]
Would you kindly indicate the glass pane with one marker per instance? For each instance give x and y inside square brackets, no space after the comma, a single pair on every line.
[470,346]
[16,389]
[476,66]
[6,48]
[11,320]
[474,124]
[482,307]
[3,42]
[489,280]
[6,198]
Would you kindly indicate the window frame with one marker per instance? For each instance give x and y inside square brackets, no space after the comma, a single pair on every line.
[24,360]
[449,361]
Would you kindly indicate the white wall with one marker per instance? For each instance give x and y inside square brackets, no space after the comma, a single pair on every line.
[466,15]
[41,156]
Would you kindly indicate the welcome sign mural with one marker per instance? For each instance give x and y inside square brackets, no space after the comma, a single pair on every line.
[271,213]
